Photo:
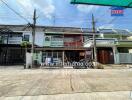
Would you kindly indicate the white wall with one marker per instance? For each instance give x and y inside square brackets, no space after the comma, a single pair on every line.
[129,38]
[130,50]
[39,37]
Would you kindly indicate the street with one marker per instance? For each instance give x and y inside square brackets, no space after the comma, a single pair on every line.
[65,84]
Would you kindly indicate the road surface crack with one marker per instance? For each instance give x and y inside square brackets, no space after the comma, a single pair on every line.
[71,85]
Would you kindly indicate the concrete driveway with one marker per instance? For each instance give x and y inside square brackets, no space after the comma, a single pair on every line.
[65,84]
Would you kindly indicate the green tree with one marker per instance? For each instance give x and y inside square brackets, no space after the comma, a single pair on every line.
[25,44]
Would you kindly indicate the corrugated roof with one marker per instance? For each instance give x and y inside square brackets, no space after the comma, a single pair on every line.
[120,31]
[106,31]
[65,29]
[115,31]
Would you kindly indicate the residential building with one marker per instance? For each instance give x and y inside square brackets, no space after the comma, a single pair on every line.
[61,45]
[114,46]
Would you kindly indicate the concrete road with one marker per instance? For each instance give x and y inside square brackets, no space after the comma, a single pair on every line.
[65,84]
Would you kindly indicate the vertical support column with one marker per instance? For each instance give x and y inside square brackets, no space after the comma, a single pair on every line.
[114,52]
[40,57]
[63,54]
[57,55]
[94,39]
[52,53]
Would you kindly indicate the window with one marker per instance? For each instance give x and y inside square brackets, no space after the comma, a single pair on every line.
[48,38]
[26,38]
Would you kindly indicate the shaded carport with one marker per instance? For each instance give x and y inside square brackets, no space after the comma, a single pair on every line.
[120,3]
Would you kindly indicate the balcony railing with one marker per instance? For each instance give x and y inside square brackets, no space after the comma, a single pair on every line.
[57,44]
[99,42]
[76,44]
[73,44]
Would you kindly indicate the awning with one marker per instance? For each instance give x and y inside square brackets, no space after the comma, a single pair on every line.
[121,3]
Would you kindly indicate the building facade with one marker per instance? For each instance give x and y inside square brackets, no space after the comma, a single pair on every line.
[58,45]
[61,45]
[114,46]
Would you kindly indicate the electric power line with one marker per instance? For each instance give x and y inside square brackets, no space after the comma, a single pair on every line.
[14,11]
[63,18]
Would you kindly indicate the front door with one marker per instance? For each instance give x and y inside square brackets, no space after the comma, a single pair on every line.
[105,56]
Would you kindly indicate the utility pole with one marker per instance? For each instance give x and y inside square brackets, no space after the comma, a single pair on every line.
[94,40]
[33,36]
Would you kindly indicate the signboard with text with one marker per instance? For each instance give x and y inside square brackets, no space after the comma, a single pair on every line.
[117,11]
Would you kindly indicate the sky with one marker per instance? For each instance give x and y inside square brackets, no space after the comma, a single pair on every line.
[62,13]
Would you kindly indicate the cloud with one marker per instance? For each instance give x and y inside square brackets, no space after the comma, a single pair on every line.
[87,8]
[26,7]
[46,7]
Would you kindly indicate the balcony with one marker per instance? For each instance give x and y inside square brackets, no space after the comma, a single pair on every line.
[124,43]
[11,40]
[69,42]
[57,44]
[73,44]
[100,42]
[14,38]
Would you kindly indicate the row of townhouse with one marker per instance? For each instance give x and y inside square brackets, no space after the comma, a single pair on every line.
[64,44]
[114,46]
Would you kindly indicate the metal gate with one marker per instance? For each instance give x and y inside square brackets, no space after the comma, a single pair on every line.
[12,56]
[123,58]
[52,59]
